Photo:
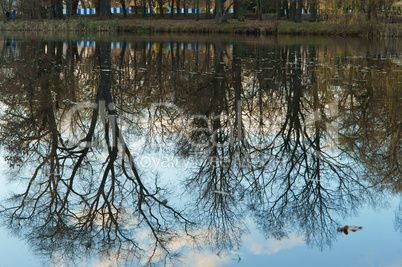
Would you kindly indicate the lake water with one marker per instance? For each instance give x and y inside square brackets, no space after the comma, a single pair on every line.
[200,151]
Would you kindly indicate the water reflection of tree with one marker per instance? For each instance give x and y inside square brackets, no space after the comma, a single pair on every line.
[295,178]
[288,170]
[216,148]
[258,136]
[398,218]
[310,184]
[83,197]
[298,183]
[371,131]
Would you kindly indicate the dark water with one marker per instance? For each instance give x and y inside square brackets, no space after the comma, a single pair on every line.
[200,151]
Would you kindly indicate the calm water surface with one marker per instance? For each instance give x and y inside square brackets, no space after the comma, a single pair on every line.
[200,151]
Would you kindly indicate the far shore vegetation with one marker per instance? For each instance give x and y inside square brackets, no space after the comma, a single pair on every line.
[381,18]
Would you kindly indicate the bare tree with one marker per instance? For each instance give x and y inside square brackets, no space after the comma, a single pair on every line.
[220,11]
[313,10]
[123,5]
[105,9]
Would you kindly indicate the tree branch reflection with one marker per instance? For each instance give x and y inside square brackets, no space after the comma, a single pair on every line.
[83,197]
[271,134]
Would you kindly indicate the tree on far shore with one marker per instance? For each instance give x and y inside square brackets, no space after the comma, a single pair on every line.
[292,9]
[220,11]
[104,8]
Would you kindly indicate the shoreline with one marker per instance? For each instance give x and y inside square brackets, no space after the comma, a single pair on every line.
[203,26]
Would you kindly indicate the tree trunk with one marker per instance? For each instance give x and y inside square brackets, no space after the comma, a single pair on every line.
[178,7]
[278,9]
[236,6]
[160,4]
[299,10]
[150,8]
[72,7]
[219,8]
[75,6]
[172,9]
[313,11]
[259,9]
[209,15]
[38,10]
[135,8]
[105,7]
[372,10]
[123,5]
[286,8]
[208,7]
[197,12]
[97,7]
[69,6]
[293,10]
[386,15]
[144,8]
[59,9]
[51,12]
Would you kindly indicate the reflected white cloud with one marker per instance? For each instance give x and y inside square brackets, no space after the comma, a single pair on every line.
[276,245]
[205,258]
[108,263]
[257,245]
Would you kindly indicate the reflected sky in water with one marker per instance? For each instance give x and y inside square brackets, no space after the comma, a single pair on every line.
[125,151]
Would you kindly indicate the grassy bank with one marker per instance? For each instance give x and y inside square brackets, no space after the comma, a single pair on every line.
[145,26]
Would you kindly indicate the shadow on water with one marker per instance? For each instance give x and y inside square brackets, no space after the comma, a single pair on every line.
[295,137]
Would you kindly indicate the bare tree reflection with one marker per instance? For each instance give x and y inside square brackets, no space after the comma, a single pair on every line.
[300,183]
[371,131]
[271,134]
[398,218]
[83,197]
[217,150]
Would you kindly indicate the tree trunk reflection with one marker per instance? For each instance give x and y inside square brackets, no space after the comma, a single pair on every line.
[291,136]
